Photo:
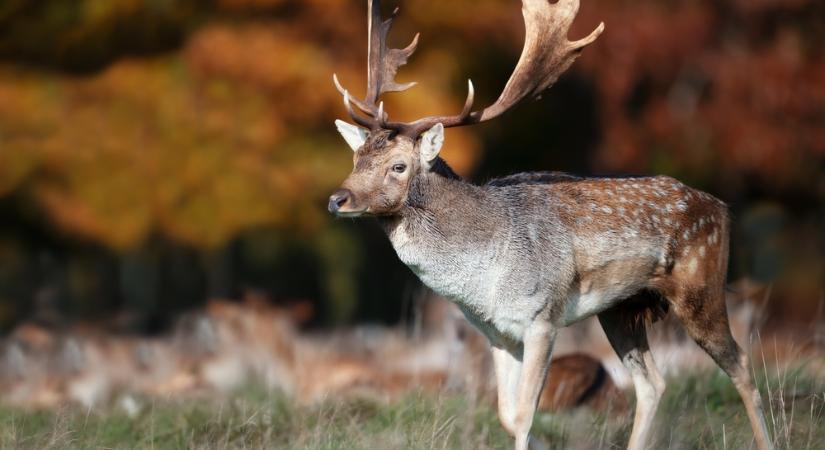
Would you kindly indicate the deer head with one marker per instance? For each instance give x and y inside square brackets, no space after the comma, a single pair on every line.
[389,155]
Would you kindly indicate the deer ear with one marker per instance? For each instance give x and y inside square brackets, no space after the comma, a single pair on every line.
[354,135]
[431,142]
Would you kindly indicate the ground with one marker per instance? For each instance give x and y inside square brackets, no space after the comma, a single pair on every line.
[700,411]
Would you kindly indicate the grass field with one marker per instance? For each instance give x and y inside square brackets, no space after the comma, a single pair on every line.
[700,411]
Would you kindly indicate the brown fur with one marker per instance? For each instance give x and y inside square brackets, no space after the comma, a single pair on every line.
[580,380]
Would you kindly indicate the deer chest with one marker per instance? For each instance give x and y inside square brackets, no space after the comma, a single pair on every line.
[479,282]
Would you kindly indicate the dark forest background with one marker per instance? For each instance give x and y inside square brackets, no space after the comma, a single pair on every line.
[158,153]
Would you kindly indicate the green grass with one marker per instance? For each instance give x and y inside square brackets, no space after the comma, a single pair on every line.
[698,412]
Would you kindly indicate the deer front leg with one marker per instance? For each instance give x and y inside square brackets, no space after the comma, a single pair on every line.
[538,346]
[508,370]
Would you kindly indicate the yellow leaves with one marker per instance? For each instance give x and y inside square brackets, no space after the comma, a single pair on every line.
[293,72]
[111,210]
[211,196]
[249,4]
[22,130]
[144,146]
[18,154]
[100,12]
[138,147]
[14,168]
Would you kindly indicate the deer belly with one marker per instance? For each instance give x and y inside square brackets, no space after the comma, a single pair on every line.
[608,276]
[585,300]
[581,306]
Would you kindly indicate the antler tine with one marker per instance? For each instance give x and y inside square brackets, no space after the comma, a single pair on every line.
[357,118]
[583,42]
[383,62]
[358,103]
[465,117]
[381,117]
[468,103]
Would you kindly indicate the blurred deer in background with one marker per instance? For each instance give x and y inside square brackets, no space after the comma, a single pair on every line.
[528,254]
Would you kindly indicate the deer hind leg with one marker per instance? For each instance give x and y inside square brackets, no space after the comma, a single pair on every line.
[702,311]
[625,329]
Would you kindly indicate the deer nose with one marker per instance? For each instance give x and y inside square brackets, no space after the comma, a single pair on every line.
[338,199]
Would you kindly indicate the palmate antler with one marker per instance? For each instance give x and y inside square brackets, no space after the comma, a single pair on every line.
[546,55]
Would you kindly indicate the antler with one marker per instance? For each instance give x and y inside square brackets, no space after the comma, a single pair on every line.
[383,64]
[546,55]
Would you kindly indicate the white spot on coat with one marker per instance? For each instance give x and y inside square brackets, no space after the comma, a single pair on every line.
[692,265]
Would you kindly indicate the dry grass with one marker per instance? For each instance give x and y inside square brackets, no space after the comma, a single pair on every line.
[700,411]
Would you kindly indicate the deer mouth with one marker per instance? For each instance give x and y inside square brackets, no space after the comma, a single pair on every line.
[345,214]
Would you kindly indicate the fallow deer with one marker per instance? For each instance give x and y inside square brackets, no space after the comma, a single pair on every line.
[528,254]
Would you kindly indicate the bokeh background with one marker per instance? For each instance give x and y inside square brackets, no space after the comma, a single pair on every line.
[170,277]
[155,154]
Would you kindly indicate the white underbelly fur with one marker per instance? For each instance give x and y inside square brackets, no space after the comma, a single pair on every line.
[583,305]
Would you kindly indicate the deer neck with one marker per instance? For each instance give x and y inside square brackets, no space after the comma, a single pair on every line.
[434,210]
[444,234]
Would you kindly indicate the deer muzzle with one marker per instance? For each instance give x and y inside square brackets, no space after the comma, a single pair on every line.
[340,203]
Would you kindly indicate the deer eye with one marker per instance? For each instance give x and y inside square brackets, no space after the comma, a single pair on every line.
[399,168]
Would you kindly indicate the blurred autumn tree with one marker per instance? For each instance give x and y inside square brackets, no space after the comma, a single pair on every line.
[154,153]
